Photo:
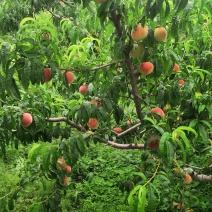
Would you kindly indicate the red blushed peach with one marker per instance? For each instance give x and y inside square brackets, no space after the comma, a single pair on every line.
[158,113]
[69,77]
[160,34]
[83,89]
[26,119]
[61,162]
[46,35]
[176,68]
[68,169]
[47,74]
[146,68]
[65,181]
[129,122]
[140,33]
[153,144]
[187,178]
[117,129]
[93,123]
[181,82]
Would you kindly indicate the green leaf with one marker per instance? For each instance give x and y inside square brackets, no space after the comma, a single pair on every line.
[133,192]
[182,5]
[34,152]
[142,199]
[170,152]
[153,200]
[141,175]
[150,120]
[81,146]
[46,155]
[203,132]
[162,144]
[187,129]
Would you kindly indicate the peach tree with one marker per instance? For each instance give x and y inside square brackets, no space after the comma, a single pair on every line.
[128,74]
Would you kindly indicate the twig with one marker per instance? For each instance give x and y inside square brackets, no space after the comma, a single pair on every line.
[85,70]
[128,130]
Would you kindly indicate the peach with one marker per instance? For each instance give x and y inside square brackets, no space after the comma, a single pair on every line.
[181,82]
[100,1]
[176,68]
[180,205]
[167,107]
[65,181]
[158,113]
[68,169]
[160,34]
[129,122]
[47,74]
[187,178]
[26,119]
[93,102]
[61,162]
[137,51]
[146,68]
[46,35]
[153,144]
[93,123]
[117,129]
[177,171]
[140,33]
[69,77]
[83,89]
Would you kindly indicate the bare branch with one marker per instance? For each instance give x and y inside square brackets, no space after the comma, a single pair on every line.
[128,130]
[201,177]
[85,70]
[125,146]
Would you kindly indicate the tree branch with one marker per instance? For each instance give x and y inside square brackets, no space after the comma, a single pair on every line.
[85,70]
[115,18]
[125,146]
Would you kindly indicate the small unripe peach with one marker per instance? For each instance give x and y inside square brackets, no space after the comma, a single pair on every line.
[47,74]
[83,89]
[137,51]
[65,181]
[177,172]
[93,123]
[146,68]
[158,113]
[68,169]
[176,68]
[26,119]
[117,129]
[160,34]
[140,33]
[187,178]
[167,107]
[61,162]
[69,77]
[181,82]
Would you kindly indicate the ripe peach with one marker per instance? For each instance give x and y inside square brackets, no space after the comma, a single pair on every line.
[93,102]
[146,68]
[176,68]
[61,162]
[140,33]
[137,51]
[117,129]
[26,119]
[158,113]
[129,122]
[177,172]
[153,144]
[187,178]
[93,123]
[100,1]
[65,181]
[47,74]
[181,82]
[180,205]
[160,34]
[83,89]
[46,35]
[68,169]
[69,77]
